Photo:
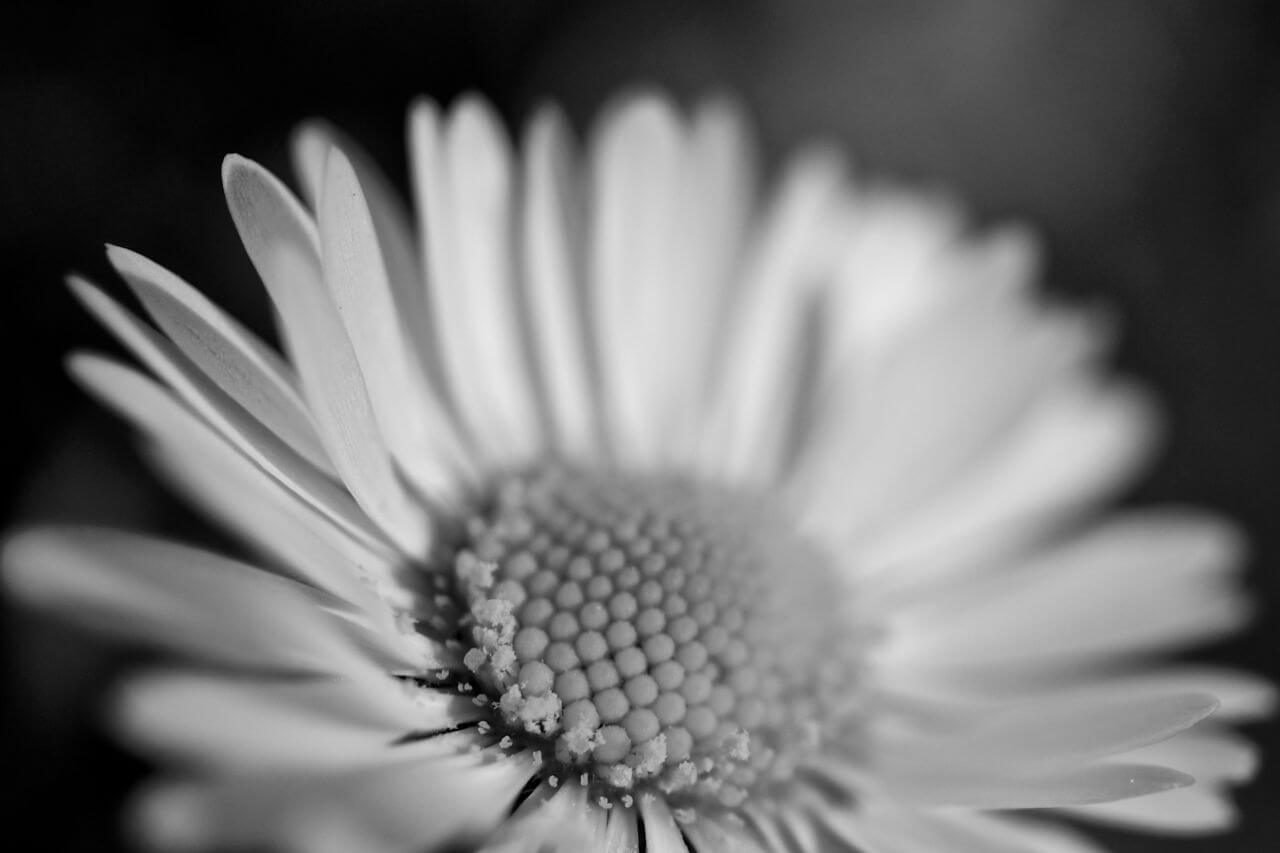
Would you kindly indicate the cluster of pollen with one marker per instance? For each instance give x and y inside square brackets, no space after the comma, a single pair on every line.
[650,631]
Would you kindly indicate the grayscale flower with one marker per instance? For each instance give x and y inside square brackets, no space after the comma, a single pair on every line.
[614,502]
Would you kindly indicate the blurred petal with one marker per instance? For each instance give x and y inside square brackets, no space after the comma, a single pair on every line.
[178,597]
[556,293]
[1168,580]
[1197,810]
[239,724]
[400,808]
[462,170]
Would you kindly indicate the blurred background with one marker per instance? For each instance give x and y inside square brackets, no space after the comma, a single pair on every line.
[1137,136]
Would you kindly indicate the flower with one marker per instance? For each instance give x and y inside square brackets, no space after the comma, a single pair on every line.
[617,510]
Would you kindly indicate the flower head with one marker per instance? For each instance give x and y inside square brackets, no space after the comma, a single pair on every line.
[607,506]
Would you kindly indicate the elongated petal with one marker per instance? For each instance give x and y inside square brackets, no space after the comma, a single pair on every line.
[177,597]
[1064,732]
[299,540]
[635,172]
[552,820]
[399,808]
[312,143]
[236,423]
[621,833]
[154,410]
[246,369]
[959,832]
[1198,810]
[413,421]
[1242,696]
[282,243]
[712,836]
[463,180]
[1168,578]
[755,408]
[661,833]
[938,406]
[1094,784]
[1073,450]
[553,243]
[713,196]
[272,725]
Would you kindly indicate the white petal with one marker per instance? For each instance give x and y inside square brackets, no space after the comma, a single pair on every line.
[155,411]
[556,291]
[416,428]
[401,808]
[752,419]
[181,598]
[463,187]
[552,820]
[1135,583]
[1212,754]
[311,144]
[939,405]
[1094,784]
[765,825]
[621,832]
[890,830]
[710,835]
[899,265]
[267,447]
[1060,733]
[1243,697]
[661,833]
[1197,810]
[241,365]
[282,243]
[1072,451]
[634,269]
[714,197]
[303,543]
[269,725]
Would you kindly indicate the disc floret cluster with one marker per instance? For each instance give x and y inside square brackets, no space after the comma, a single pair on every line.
[648,631]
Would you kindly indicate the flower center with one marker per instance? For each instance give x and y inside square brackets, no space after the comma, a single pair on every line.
[650,630]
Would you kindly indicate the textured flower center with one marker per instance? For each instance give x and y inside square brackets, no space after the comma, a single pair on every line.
[652,631]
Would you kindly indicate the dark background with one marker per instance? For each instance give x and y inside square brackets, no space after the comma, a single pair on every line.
[1139,136]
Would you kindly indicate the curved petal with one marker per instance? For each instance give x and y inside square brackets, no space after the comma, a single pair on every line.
[271,725]
[1074,449]
[243,367]
[282,243]
[1168,578]
[462,172]
[416,427]
[154,410]
[180,598]
[756,402]
[552,820]
[635,171]
[661,833]
[1061,733]
[554,257]
[1198,810]
[1099,783]
[887,830]
[400,808]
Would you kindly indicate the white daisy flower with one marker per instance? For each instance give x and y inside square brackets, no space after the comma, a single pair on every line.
[610,505]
